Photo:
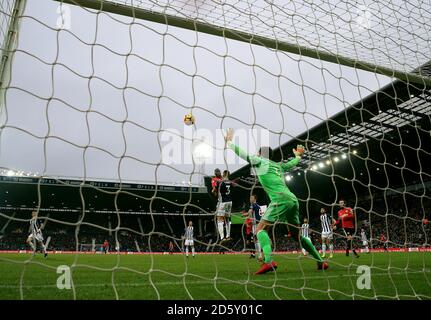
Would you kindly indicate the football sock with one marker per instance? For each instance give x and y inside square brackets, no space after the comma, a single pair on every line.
[265,243]
[307,245]
[227,229]
[324,249]
[220,229]
[187,251]
[193,251]
[32,245]
[331,248]
[258,250]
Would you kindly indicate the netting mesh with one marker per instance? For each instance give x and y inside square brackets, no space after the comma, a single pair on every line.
[394,34]
[95,106]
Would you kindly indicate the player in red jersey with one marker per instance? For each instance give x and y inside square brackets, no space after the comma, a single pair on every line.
[249,234]
[215,182]
[105,246]
[346,217]
[383,240]
[171,247]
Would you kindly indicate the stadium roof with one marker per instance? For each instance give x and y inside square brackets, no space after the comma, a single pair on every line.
[381,143]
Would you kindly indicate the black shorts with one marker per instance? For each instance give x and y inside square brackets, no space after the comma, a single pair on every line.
[349,231]
[249,237]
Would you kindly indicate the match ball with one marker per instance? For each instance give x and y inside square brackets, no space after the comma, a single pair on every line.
[189,119]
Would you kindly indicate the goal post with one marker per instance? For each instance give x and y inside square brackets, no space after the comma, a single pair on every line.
[417,77]
[10,14]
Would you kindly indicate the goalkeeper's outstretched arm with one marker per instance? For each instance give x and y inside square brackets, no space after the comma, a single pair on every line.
[252,159]
[298,152]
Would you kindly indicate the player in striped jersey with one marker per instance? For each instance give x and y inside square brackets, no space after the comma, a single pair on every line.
[215,184]
[35,235]
[364,240]
[327,235]
[255,213]
[189,242]
[225,207]
[305,232]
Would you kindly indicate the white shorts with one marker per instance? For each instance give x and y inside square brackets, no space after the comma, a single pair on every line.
[36,236]
[224,209]
[188,243]
[327,235]
[253,228]
[365,243]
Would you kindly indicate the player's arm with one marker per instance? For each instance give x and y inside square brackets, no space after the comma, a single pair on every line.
[338,222]
[253,160]
[334,224]
[214,184]
[350,215]
[298,152]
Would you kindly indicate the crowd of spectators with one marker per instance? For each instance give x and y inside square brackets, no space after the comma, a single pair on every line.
[402,227]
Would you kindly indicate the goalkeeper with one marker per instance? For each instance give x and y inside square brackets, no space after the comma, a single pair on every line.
[284,206]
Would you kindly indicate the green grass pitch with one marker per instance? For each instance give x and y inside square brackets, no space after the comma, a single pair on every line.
[394,275]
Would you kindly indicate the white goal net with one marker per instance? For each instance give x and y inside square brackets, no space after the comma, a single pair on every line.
[92,100]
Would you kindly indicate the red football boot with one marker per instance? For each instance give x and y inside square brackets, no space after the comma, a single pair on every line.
[322,265]
[266,267]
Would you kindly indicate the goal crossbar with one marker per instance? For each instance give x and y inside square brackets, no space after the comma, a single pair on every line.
[144,14]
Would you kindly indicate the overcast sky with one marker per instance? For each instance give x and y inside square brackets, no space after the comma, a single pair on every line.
[235,85]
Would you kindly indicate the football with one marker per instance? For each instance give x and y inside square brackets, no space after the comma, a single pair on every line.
[189,119]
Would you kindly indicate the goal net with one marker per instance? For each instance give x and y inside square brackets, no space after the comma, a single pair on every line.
[93,94]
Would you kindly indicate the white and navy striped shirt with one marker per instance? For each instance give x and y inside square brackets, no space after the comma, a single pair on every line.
[189,233]
[363,236]
[304,230]
[326,223]
[34,226]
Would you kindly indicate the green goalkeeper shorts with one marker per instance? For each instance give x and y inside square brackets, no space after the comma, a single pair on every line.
[283,211]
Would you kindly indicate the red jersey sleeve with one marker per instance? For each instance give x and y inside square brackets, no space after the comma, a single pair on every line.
[214,182]
[350,214]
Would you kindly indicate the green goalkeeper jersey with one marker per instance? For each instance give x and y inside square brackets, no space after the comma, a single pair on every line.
[269,173]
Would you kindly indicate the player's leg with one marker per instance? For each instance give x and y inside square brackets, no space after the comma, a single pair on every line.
[45,254]
[350,244]
[257,247]
[305,242]
[227,208]
[193,251]
[276,212]
[365,245]
[252,245]
[220,220]
[187,250]
[265,242]
[31,243]
[263,238]
[292,216]
[347,242]
[331,246]
[324,240]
